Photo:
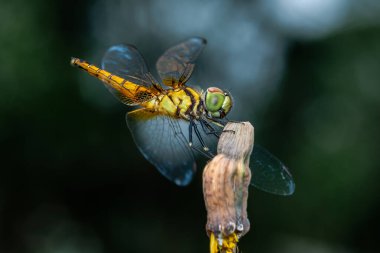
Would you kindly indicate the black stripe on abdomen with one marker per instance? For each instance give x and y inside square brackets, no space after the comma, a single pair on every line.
[193,102]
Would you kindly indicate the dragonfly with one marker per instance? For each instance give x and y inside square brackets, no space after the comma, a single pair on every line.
[174,122]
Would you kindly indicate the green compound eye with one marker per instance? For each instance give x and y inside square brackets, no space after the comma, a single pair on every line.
[214,101]
[217,102]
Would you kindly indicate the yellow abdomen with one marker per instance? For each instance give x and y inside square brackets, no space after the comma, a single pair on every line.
[182,102]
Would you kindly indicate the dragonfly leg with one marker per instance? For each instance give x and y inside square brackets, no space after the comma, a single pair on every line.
[233,121]
[191,133]
[213,131]
[207,154]
[198,134]
[210,129]
[204,150]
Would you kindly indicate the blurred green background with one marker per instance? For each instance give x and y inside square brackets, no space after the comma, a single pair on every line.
[305,73]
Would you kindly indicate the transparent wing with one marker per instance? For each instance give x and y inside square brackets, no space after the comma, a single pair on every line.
[270,174]
[161,140]
[176,64]
[126,61]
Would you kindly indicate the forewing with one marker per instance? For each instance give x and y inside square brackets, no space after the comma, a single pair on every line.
[161,141]
[269,173]
[176,64]
[126,61]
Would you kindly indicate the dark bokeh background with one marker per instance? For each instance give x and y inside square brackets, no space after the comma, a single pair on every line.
[305,73]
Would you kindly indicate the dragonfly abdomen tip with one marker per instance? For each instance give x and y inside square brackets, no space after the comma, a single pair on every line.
[73,61]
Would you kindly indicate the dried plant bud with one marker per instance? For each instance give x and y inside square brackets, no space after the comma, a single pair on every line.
[225,187]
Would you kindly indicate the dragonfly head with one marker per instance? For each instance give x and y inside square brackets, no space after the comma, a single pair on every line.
[217,103]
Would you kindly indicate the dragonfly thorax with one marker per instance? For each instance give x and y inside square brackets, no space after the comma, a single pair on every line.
[217,103]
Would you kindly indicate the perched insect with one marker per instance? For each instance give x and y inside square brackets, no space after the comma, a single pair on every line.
[171,123]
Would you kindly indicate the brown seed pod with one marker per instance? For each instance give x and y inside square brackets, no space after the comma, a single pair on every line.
[225,187]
